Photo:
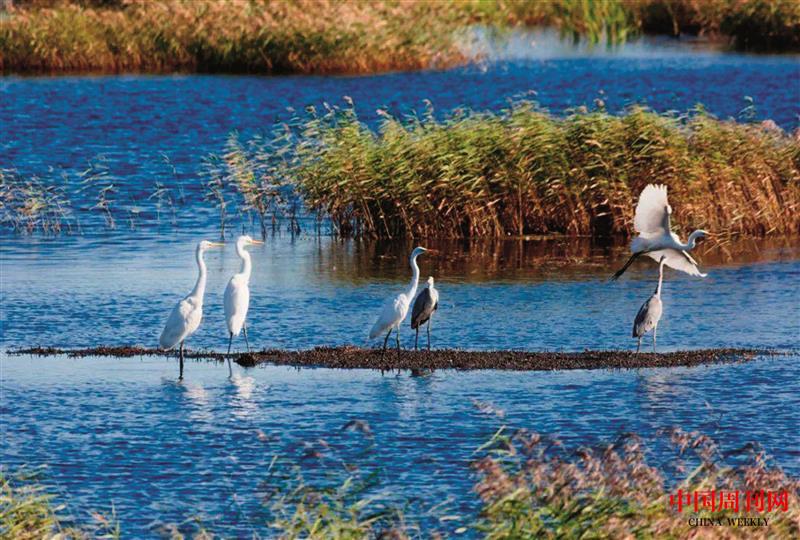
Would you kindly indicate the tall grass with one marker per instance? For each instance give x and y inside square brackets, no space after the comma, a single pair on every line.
[328,36]
[29,511]
[532,487]
[524,171]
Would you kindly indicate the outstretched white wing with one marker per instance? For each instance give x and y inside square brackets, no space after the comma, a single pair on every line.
[652,212]
[393,312]
[679,260]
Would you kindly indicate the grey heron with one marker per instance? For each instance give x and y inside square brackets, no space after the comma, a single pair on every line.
[656,239]
[185,318]
[237,295]
[650,312]
[395,309]
[425,304]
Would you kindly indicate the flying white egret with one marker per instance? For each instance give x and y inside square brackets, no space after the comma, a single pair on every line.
[425,304]
[395,309]
[656,239]
[237,295]
[188,313]
[650,312]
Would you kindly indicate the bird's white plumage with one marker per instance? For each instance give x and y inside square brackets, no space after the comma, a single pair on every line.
[395,309]
[183,321]
[237,302]
[186,316]
[237,293]
[393,313]
[652,222]
[652,212]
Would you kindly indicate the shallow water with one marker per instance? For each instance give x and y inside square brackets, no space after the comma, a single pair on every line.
[57,125]
[122,431]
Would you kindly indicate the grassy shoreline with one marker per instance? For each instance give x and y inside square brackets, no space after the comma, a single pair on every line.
[325,36]
[524,171]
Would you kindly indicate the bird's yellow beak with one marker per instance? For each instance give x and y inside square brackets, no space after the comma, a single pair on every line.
[216,244]
[257,242]
[432,251]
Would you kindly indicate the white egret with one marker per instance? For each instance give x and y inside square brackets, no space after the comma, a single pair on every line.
[395,309]
[188,313]
[425,304]
[656,239]
[650,312]
[237,294]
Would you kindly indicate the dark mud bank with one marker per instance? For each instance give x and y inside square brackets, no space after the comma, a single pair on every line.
[358,358]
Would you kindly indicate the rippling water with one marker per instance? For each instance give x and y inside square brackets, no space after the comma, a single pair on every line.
[123,431]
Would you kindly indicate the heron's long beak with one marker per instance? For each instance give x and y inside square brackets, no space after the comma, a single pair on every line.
[257,242]
[434,251]
[216,244]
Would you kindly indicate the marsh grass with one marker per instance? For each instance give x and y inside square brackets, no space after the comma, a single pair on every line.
[28,205]
[533,487]
[524,171]
[328,36]
[30,511]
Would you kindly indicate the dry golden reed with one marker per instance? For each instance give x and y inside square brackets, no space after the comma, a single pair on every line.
[332,36]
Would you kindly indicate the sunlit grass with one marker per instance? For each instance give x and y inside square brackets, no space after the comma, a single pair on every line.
[532,487]
[523,171]
[360,36]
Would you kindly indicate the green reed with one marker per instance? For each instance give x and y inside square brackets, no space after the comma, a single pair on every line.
[327,36]
[525,171]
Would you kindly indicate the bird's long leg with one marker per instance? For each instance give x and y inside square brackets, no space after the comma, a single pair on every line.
[180,354]
[416,340]
[397,337]
[638,344]
[244,329]
[655,330]
[230,342]
[429,334]
[386,341]
[621,271]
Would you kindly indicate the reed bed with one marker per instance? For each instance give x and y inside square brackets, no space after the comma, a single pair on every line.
[529,485]
[328,36]
[524,171]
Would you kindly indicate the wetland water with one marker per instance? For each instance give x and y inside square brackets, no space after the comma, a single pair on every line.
[122,431]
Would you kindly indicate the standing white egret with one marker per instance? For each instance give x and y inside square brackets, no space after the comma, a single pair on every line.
[237,295]
[650,312]
[394,310]
[425,304]
[656,239]
[188,313]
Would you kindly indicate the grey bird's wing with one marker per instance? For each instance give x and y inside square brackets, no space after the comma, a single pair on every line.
[645,319]
[424,306]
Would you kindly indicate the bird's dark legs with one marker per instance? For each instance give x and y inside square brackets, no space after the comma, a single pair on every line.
[429,334]
[244,328]
[627,264]
[397,336]
[180,354]
[638,344]
[655,330]
[416,339]
[385,341]
[230,342]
